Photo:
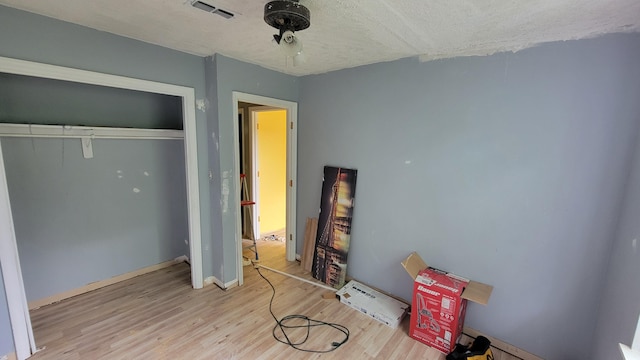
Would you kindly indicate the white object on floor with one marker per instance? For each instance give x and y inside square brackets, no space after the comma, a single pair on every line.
[379,306]
[298,278]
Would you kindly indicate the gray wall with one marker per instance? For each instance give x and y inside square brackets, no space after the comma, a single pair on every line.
[80,220]
[233,75]
[6,339]
[215,249]
[508,169]
[620,305]
[31,37]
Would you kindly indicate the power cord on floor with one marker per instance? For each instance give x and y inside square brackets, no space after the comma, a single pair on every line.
[310,323]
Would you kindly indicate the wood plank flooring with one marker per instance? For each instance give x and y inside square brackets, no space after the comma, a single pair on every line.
[159,316]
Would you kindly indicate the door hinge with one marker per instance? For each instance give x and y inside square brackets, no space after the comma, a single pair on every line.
[291,183]
[258,218]
[257,126]
[292,125]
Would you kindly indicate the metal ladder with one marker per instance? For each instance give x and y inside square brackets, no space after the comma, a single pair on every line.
[246,204]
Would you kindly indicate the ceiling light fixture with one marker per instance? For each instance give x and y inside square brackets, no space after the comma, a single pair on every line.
[288,16]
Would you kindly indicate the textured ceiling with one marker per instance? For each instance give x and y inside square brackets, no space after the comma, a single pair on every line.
[348,33]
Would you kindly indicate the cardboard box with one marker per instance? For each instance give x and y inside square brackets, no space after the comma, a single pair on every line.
[439,303]
[379,306]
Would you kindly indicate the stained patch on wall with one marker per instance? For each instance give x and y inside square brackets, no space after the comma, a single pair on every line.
[225,191]
[202,104]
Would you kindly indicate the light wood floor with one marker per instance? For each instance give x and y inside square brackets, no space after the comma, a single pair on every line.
[159,316]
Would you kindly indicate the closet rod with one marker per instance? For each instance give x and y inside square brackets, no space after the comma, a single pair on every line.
[93,137]
[80,132]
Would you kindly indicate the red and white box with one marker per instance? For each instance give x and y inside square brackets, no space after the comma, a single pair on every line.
[439,303]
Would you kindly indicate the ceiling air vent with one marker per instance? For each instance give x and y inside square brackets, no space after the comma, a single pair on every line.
[224,13]
[212,9]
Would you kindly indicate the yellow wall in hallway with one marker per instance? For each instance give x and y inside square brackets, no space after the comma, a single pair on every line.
[272,152]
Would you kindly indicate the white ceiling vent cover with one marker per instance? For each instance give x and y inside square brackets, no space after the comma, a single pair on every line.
[212,9]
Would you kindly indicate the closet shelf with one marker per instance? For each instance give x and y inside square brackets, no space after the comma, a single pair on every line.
[79,132]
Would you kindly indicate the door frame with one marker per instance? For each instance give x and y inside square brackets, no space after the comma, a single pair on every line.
[21,329]
[255,165]
[16,298]
[292,165]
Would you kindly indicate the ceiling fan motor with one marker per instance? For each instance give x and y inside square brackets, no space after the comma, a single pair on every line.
[286,15]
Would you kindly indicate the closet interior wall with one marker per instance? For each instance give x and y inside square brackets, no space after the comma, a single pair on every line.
[79,220]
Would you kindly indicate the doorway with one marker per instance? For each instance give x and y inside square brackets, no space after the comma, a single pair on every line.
[269,171]
[248,157]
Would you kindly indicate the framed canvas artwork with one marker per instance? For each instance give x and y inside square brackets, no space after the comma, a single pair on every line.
[334,225]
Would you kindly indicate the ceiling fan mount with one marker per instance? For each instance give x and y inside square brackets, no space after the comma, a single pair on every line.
[286,15]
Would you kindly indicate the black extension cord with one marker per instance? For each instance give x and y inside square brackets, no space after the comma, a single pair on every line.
[310,323]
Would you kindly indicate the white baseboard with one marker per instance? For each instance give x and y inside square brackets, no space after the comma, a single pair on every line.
[211,280]
[501,345]
[102,283]
[182,258]
[224,286]
[231,284]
